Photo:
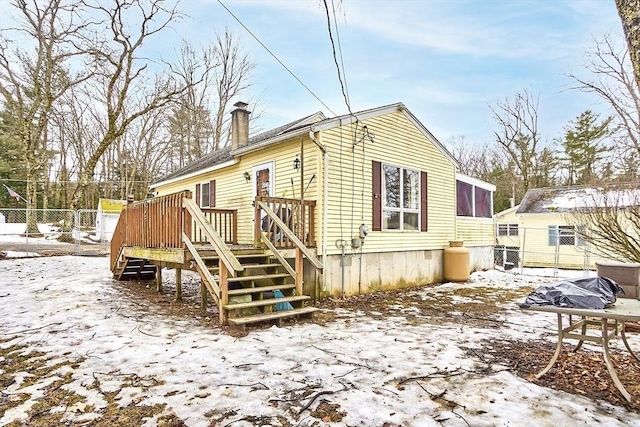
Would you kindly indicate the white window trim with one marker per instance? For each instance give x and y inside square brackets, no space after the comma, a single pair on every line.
[509,230]
[400,209]
[470,181]
[202,193]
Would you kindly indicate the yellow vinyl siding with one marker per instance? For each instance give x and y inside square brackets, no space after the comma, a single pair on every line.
[475,231]
[508,217]
[534,235]
[396,141]
[234,192]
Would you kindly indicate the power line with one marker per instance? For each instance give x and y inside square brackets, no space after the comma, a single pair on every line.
[276,58]
[343,85]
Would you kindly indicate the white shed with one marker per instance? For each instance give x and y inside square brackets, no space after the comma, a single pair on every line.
[107,217]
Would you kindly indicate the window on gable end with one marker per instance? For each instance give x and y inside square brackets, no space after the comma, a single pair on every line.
[400,198]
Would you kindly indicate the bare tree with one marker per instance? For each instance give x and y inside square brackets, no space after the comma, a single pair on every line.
[200,120]
[610,221]
[629,11]
[519,139]
[33,79]
[231,79]
[612,80]
[117,48]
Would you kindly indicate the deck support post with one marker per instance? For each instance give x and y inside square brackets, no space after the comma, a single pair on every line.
[158,278]
[299,267]
[178,284]
[223,274]
[203,295]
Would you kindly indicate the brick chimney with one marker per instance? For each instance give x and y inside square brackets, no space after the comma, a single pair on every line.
[239,125]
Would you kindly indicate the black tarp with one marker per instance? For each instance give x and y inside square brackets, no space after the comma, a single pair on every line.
[586,292]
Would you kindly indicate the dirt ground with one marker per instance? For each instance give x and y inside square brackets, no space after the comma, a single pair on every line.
[583,372]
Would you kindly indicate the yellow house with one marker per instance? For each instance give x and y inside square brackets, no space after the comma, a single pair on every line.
[507,231]
[540,231]
[378,190]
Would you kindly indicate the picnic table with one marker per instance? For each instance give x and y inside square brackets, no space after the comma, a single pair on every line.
[611,322]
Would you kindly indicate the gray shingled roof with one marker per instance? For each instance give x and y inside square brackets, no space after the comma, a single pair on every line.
[224,154]
[567,199]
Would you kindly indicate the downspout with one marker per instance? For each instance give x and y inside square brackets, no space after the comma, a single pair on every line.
[325,201]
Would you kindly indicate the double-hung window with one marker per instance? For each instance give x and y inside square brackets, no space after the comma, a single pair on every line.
[206,194]
[564,235]
[507,229]
[205,201]
[400,198]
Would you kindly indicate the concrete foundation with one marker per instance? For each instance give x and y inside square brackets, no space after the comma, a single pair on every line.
[379,271]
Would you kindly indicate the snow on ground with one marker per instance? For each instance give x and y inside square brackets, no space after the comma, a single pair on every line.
[69,308]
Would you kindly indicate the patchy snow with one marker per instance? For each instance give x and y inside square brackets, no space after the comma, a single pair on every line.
[69,308]
[593,197]
[14,231]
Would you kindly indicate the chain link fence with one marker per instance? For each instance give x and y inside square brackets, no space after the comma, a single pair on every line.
[555,250]
[55,231]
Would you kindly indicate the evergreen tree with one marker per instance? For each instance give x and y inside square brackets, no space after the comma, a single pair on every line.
[585,148]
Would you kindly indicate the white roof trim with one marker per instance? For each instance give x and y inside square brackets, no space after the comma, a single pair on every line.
[196,173]
[475,181]
[352,118]
[280,138]
[430,136]
[506,211]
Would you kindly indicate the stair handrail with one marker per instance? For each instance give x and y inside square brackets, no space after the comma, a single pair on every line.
[118,239]
[291,235]
[224,253]
[210,282]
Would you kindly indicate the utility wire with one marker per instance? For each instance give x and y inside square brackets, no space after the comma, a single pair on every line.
[335,57]
[335,24]
[275,57]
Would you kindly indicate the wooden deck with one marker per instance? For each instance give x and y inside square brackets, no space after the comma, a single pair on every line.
[248,282]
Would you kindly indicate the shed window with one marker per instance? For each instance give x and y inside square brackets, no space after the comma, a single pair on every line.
[508,230]
[563,235]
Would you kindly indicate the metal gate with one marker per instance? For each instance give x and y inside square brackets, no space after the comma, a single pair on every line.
[53,232]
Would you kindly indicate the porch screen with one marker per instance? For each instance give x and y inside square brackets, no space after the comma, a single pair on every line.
[465,198]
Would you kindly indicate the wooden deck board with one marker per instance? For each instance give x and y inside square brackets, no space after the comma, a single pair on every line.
[257,289]
[263,302]
[258,277]
[271,316]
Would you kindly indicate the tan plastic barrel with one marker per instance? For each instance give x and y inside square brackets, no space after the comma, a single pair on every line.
[456,262]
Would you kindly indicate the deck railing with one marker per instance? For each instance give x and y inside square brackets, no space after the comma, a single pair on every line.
[159,223]
[152,223]
[298,217]
[224,221]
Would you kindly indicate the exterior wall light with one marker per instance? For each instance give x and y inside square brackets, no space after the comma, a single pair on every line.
[247,176]
[296,163]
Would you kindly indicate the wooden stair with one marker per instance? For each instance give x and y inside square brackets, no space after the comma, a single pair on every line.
[252,294]
[134,269]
